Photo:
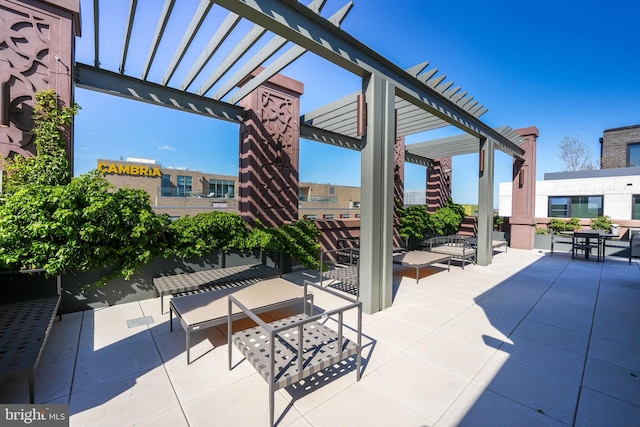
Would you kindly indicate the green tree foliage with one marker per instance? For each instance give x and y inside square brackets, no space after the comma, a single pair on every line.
[202,234]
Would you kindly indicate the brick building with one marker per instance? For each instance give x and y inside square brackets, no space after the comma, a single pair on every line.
[620,147]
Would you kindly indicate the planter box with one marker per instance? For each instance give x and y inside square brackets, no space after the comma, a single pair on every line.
[78,293]
[26,285]
[542,241]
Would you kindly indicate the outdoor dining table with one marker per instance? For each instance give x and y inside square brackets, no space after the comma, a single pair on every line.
[600,236]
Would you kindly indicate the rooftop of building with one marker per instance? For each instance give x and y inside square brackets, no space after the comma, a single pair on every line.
[622,128]
[596,173]
[528,340]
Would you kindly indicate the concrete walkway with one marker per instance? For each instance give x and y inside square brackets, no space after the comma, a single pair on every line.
[529,340]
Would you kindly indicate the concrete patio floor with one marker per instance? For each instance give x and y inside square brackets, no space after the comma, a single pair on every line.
[529,340]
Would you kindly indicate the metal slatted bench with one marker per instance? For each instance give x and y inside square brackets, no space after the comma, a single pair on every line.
[495,243]
[24,329]
[217,278]
[458,246]
[291,349]
[343,276]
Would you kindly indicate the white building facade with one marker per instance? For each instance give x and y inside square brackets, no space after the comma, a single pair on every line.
[583,194]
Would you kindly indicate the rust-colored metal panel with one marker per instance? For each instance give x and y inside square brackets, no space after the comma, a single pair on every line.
[270,153]
[37,41]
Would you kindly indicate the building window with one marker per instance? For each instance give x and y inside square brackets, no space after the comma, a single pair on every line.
[332,190]
[328,216]
[184,185]
[635,209]
[345,215]
[633,155]
[310,216]
[165,188]
[222,188]
[575,206]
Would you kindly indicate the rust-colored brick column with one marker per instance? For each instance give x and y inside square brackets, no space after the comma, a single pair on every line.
[269,152]
[37,43]
[523,223]
[438,183]
[398,184]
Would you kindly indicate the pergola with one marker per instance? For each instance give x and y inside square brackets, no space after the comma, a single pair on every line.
[393,102]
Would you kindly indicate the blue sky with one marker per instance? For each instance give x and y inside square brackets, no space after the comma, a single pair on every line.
[566,67]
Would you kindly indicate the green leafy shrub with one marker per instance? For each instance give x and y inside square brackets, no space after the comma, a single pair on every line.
[64,225]
[49,221]
[204,233]
[414,221]
[446,220]
[542,231]
[300,240]
[557,224]
[601,223]
[85,225]
[498,222]
[50,166]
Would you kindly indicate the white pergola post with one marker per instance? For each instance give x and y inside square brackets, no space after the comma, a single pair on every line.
[484,252]
[376,221]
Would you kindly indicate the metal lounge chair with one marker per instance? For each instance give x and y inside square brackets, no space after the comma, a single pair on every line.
[291,349]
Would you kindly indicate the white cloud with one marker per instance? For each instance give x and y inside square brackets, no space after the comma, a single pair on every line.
[166,147]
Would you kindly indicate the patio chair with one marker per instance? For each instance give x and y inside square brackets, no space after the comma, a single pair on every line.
[561,239]
[634,245]
[344,272]
[291,349]
[585,241]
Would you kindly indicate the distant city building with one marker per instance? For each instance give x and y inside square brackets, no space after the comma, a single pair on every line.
[613,191]
[415,197]
[179,192]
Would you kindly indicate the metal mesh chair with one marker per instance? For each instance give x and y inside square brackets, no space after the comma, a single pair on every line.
[291,349]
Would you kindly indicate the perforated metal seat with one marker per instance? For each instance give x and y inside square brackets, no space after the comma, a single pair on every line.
[24,328]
